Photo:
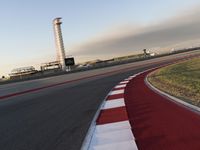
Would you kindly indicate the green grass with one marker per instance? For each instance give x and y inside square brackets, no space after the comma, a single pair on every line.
[181,80]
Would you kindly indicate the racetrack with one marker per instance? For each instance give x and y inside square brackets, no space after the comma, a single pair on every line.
[58,117]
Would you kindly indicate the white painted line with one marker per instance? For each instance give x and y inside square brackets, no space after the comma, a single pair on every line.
[127,145]
[123,82]
[120,86]
[139,73]
[91,130]
[133,76]
[117,92]
[128,79]
[112,137]
[113,126]
[114,103]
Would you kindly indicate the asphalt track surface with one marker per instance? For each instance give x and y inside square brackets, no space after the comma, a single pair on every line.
[158,123]
[58,117]
[56,121]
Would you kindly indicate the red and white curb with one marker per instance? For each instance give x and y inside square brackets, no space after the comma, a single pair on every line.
[111,129]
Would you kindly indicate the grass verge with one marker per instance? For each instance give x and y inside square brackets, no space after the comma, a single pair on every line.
[181,80]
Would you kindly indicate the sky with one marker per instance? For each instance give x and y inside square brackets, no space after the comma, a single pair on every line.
[93,29]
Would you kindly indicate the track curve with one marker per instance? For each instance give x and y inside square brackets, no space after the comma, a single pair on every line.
[57,118]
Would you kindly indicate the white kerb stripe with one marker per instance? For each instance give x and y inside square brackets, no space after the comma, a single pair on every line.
[133,76]
[112,137]
[114,103]
[113,126]
[127,145]
[124,82]
[120,86]
[137,74]
[128,79]
[116,92]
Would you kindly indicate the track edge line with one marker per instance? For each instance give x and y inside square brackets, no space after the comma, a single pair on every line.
[87,140]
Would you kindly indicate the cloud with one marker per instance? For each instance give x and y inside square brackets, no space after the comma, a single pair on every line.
[130,39]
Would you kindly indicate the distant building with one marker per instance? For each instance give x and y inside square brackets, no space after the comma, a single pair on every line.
[50,65]
[148,53]
[152,54]
[23,72]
